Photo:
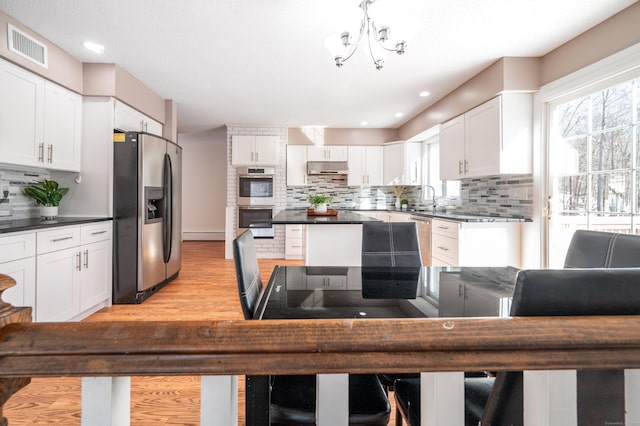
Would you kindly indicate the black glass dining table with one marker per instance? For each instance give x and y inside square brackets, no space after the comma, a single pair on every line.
[329,292]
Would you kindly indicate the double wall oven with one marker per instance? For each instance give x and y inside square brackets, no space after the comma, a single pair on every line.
[255,200]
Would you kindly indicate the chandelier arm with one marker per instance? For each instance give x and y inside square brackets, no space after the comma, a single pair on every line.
[377,39]
[357,43]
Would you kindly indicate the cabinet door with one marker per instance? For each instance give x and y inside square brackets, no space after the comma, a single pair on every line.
[374,165]
[452,149]
[62,128]
[57,292]
[393,164]
[296,165]
[337,153]
[317,153]
[127,119]
[357,166]
[267,149]
[21,112]
[23,271]
[153,127]
[413,163]
[95,281]
[483,139]
[242,150]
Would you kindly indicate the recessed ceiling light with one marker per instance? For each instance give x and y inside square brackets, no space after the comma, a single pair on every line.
[424,94]
[399,114]
[363,123]
[94,47]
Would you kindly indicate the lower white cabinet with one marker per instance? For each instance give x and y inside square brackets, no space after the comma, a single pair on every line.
[475,243]
[17,260]
[73,271]
[294,242]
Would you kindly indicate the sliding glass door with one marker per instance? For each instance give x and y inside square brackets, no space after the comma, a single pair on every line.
[593,165]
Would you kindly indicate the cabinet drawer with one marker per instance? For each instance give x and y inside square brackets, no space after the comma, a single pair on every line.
[14,247]
[294,246]
[58,239]
[445,228]
[294,231]
[95,232]
[445,248]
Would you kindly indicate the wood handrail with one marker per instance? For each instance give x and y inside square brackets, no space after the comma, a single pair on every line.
[318,346]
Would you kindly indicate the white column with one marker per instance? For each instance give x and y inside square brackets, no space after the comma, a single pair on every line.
[106,401]
[219,400]
[332,399]
[442,399]
[550,398]
[334,245]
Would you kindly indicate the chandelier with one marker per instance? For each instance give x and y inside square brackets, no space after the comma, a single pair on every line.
[378,42]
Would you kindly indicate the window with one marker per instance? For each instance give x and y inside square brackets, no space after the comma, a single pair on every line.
[431,173]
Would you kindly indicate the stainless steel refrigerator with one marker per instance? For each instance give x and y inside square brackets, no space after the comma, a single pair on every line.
[147,209]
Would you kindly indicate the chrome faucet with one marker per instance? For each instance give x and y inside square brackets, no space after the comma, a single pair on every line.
[434,205]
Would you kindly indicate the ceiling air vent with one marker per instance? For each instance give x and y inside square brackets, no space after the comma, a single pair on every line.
[27,46]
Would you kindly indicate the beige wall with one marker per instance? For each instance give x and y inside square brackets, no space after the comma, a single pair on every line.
[170,128]
[613,35]
[63,68]
[528,74]
[326,136]
[204,184]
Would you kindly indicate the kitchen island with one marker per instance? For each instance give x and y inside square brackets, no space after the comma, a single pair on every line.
[330,240]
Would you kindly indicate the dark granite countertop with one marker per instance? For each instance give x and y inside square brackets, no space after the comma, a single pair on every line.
[457,216]
[33,224]
[299,216]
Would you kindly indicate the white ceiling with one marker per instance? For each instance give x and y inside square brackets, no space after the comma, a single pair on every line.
[263,62]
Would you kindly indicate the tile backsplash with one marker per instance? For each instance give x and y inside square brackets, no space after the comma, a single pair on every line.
[17,205]
[504,195]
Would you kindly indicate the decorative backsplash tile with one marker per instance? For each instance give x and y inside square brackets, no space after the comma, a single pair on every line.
[13,179]
[504,195]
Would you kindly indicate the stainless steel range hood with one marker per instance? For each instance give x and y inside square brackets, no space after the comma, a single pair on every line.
[327,168]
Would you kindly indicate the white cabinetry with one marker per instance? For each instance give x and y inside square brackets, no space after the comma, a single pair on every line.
[249,150]
[40,122]
[475,243]
[296,165]
[327,153]
[73,271]
[365,165]
[130,120]
[17,260]
[402,163]
[294,242]
[493,138]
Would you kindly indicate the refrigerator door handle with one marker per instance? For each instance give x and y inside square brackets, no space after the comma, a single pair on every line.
[168,207]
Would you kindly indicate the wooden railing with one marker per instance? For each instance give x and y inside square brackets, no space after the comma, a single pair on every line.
[279,347]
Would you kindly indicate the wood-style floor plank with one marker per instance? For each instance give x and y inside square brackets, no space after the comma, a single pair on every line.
[205,290]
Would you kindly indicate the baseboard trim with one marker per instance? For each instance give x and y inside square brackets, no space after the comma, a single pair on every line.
[203,236]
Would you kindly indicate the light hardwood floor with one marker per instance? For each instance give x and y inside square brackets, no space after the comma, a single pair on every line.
[205,290]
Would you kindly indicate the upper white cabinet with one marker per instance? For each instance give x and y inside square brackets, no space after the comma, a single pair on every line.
[493,138]
[365,165]
[402,163]
[62,128]
[130,120]
[248,150]
[327,153]
[296,165]
[40,122]
[21,109]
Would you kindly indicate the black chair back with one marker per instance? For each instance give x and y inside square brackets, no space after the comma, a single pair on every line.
[566,292]
[390,244]
[247,272]
[595,249]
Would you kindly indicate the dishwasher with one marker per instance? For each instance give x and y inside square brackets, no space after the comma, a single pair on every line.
[423,224]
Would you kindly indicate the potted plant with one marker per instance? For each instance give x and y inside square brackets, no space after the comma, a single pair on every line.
[47,194]
[404,204]
[319,202]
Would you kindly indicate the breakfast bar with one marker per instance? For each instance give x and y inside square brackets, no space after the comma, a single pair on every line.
[339,244]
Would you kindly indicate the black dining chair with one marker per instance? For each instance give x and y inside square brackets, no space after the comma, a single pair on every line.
[560,292]
[293,398]
[390,244]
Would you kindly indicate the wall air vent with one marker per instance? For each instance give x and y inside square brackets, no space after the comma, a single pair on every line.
[26,46]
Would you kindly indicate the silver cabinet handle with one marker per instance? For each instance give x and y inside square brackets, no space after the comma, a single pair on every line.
[86,259]
[41,152]
[142,125]
[55,240]
[257,157]
[466,167]
[443,227]
[50,153]
[460,167]
[99,232]
[79,261]
[443,248]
